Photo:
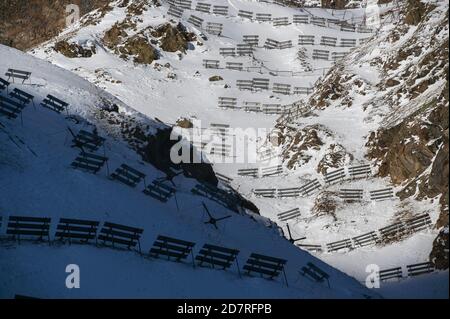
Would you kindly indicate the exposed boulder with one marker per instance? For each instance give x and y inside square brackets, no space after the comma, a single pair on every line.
[215,78]
[141,50]
[74,50]
[173,38]
[114,36]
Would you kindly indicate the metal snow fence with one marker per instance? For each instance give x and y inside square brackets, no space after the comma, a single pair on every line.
[366,239]
[281,88]
[214,28]
[220,10]
[382,194]
[272,109]
[328,41]
[184,4]
[271,44]
[268,192]
[263,17]
[420,268]
[252,172]
[305,39]
[336,56]
[175,11]
[320,54]
[348,43]
[310,187]
[348,27]
[321,22]
[203,7]
[289,192]
[227,102]
[285,44]
[272,171]
[244,84]
[195,21]
[260,84]
[351,194]
[252,106]
[300,19]
[302,90]
[360,171]
[211,64]
[227,52]
[244,49]
[288,215]
[245,14]
[252,40]
[282,21]
[336,175]
[338,245]
[363,29]
[390,273]
[418,223]
[237,66]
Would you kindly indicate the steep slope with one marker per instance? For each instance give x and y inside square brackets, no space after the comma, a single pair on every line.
[387,104]
[36,180]
[155,62]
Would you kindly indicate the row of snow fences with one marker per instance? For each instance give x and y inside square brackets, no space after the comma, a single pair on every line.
[175,11]
[260,84]
[118,236]
[327,41]
[332,177]
[352,172]
[252,40]
[231,103]
[13,104]
[239,66]
[222,10]
[289,214]
[214,28]
[18,74]
[261,171]
[304,190]
[196,21]
[125,174]
[272,44]
[382,235]
[411,271]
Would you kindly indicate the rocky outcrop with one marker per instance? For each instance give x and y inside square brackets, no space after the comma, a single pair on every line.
[74,50]
[439,254]
[173,38]
[140,49]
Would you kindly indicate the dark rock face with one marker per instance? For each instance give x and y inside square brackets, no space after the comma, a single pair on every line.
[157,152]
[439,254]
[415,12]
[27,23]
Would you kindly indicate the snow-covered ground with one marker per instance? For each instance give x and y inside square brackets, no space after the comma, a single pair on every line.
[147,92]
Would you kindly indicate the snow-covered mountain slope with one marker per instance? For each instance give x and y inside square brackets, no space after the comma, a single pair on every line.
[156,68]
[37,180]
